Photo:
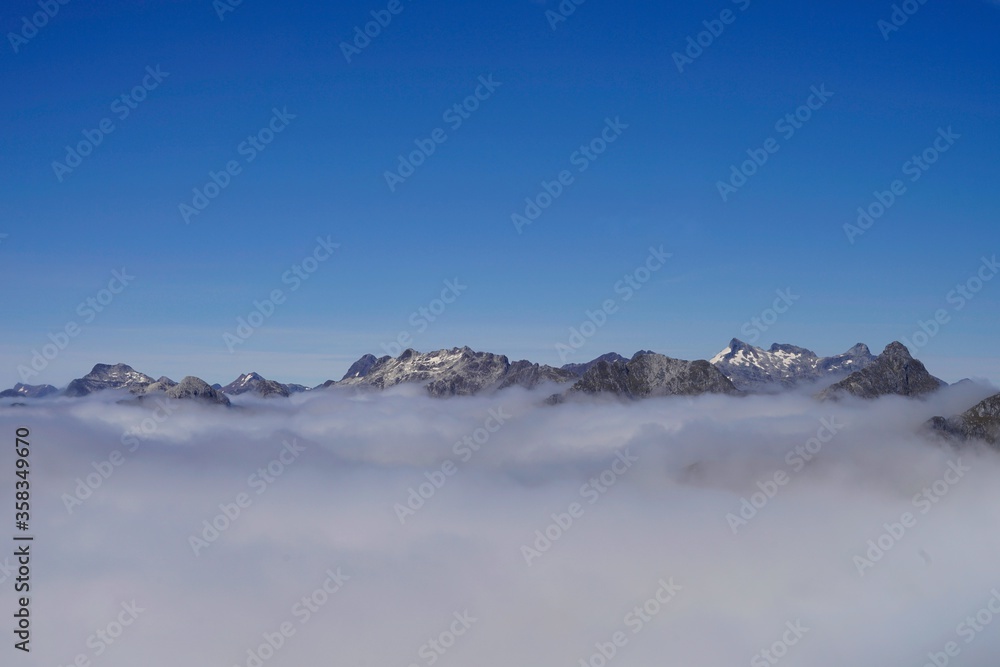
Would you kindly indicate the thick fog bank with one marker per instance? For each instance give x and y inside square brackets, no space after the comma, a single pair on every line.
[389,528]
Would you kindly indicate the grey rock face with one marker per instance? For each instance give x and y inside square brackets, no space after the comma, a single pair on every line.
[528,375]
[855,359]
[980,422]
[190,388]
[782,366]
[20,390]
[459,371]
[454,372]
[579,369]
[254,383]
[893,372]
[106,376]
[362,366]
[296,388]
[162,384]
[651,374]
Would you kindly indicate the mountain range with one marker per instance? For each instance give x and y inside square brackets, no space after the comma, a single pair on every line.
[892,372]
[782,366]
[739,369]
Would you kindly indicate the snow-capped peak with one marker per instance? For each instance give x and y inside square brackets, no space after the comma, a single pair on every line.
[752,367]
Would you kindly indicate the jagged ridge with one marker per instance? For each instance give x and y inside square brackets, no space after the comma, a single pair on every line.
[463,371]
[459,371]
[893,372]
[753,368]
[651,374]
[256,384]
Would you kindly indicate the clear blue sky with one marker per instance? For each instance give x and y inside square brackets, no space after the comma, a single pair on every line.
[657,183]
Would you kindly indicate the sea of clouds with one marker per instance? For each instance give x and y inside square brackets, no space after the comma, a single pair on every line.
[392,529]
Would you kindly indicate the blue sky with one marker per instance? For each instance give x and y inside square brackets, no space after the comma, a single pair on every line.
[344,124]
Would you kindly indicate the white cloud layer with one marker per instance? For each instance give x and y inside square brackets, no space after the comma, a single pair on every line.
[647,495]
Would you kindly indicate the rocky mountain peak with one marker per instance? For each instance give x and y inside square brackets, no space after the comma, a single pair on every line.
[859,350]
[651,374]
[255,383]
[894,371]
[361,367]
[190,387]
[579,369]
[21,390]
[449,372]
[783,365]
[980,422]
[791,349]
[109,376]
[896,351]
